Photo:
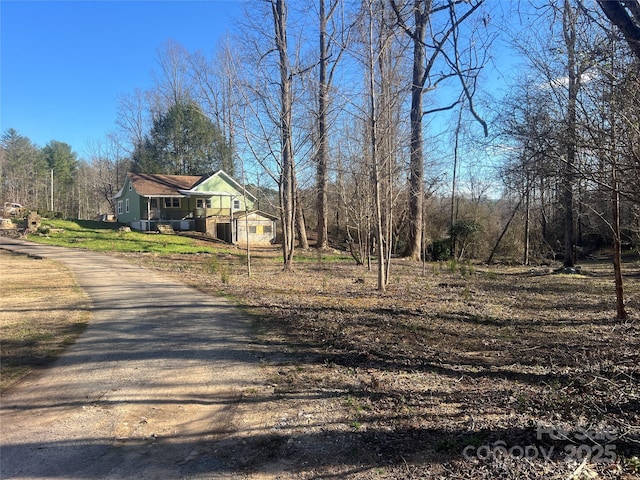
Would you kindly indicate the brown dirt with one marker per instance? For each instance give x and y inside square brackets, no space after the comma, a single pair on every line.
[431,378]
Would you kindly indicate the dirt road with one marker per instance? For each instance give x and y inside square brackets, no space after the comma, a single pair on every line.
[148,390]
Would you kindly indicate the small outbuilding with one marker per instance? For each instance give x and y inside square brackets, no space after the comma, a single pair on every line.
[260,226]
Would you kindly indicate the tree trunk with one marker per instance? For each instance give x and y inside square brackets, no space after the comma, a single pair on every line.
[453,182]
[569,30]
[504,231]
[617,254]
[301,227]
[321,167]
[376,170]
[287,180]
[621,313]
[527,223]
[416,161]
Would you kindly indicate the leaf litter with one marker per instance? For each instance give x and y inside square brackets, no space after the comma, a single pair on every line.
[470,373]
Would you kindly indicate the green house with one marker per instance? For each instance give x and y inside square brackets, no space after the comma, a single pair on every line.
[207,204]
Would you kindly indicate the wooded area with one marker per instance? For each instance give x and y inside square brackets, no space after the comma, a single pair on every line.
[383,130]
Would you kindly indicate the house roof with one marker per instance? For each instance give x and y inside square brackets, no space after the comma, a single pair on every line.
[157,185]
[149,184]
[256,212]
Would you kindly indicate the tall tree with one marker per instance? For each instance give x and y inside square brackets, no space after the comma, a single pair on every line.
[215,88]
[435,59]
[133,118]
[269,134]
[109,165]
[569,18]
[183,141]
[64,164]
[287,174]
[332,44]
[23,170]
[173,85]
[374,151]
[380,116]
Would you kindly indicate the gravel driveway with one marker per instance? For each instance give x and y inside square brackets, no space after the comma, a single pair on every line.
[145,392]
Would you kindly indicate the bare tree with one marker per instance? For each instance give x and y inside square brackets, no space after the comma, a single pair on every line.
[380,116]
[287,174]
[332,44]
[436,57]
[376,162]
[607,128]
[173,84]
[266,96]
[215,87]
[109,166]
[133,117]
[574,77]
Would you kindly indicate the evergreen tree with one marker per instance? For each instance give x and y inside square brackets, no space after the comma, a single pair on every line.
[183,141]
[23,170]
[64,163]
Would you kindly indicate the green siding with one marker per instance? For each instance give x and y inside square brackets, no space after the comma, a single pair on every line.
[220,183]
[137,205]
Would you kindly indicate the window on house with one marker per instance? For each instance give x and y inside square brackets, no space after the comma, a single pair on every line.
[154,203]
[236,204]
[126,205]
[170,202]
[266,229]
[202,203]
[252,229]
[120,207]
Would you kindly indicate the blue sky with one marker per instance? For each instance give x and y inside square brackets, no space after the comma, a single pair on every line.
[64,63]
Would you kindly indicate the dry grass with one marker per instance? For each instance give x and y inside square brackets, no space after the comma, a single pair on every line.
[428,380]
[43,311]
[360,384]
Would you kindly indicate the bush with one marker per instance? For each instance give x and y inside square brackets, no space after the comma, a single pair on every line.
[51,215]
[440,249]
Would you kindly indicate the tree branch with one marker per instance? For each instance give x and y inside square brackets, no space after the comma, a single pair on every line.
[625,14]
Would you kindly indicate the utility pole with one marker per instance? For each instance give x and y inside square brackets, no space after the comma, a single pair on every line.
[51,189]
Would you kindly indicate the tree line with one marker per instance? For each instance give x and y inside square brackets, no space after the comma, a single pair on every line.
[376,123]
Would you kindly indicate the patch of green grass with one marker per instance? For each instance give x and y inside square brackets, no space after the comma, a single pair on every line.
[466,269]
[225,275]
[102,237]
[466,294]
[632,464]
[213,265]
[446,445]
[452,266]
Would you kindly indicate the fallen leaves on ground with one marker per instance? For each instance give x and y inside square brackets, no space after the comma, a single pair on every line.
[456,371]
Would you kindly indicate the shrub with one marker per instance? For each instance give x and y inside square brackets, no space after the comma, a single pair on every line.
[440,249]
